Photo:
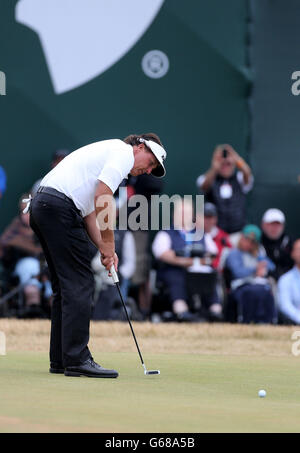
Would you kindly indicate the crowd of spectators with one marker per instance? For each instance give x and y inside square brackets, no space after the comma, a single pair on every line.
[235,272]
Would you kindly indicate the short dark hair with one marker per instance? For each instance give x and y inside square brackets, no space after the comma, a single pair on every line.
[133,139]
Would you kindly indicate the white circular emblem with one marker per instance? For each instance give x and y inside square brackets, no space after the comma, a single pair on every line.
[155,64]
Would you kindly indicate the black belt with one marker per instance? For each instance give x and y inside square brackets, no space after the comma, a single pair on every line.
[56,193]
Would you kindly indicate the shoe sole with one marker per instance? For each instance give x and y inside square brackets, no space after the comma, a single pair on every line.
[56,371]
[76,374]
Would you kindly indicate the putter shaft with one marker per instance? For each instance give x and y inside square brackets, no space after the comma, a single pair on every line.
[116,282]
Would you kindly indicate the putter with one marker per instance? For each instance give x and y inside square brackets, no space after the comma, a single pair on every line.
[116,282]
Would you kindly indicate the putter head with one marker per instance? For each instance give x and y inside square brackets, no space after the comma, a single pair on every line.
[150,371]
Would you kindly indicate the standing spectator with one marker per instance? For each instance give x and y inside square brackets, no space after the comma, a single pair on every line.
[226,184]
[289,290]
[220,237]
[249,267]
[146,185]
[2,181]
[277,243]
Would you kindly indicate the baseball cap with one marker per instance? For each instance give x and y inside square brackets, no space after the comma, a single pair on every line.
[252,232]
[273,215]
[210,210]
[160,154]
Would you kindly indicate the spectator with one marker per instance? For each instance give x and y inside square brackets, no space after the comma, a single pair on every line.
[249,267]
[2,181]
[125,249]
[174,253]
[57,157]
[220,237]
[289,290]
[21,255]
[146,185]
[227,189]
[277,243]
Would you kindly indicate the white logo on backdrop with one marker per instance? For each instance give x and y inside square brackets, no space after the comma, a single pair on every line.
[155,64]
[83,38]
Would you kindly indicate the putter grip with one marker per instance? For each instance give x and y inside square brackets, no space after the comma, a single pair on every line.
[114,274]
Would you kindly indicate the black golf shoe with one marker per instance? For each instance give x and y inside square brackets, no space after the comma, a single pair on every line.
[90,368]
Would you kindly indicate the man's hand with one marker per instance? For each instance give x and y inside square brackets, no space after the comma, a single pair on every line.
[109,261]
[217,159]
[107,251]
[261,269]
[235,156]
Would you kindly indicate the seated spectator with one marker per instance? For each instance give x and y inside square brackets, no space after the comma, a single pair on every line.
[21,254]
[57,157]
[226,185]
[219,236]
[2,181]
[177,256]
[249,267]
[289,290]
[277,243]
[104,304]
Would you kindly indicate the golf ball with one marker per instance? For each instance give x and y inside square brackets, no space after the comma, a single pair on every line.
[262,393]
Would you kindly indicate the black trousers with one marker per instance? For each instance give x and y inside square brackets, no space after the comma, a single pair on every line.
[63,237]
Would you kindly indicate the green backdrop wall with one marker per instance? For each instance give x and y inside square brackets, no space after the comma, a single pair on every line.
[200,102]
[274,110]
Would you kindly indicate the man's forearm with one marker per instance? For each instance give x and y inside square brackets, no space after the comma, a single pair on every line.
[244,168]
[209,179]
[105,222]
[169,257]
[92,229]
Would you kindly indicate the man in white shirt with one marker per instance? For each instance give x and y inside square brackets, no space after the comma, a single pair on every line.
[65,214]
[289,290]
[172,249]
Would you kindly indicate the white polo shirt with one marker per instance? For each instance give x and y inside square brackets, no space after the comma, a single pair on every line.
[78,174]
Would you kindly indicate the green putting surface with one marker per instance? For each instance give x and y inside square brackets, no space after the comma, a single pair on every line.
[194,393]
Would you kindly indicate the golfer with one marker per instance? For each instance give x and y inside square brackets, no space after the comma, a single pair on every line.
[63,215]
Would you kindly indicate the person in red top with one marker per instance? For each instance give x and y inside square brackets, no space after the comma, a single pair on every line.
[220,237]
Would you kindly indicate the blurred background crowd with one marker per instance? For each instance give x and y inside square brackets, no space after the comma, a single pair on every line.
[237,272]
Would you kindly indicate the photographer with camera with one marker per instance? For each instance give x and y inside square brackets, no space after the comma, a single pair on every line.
[179,259]
[226,184]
